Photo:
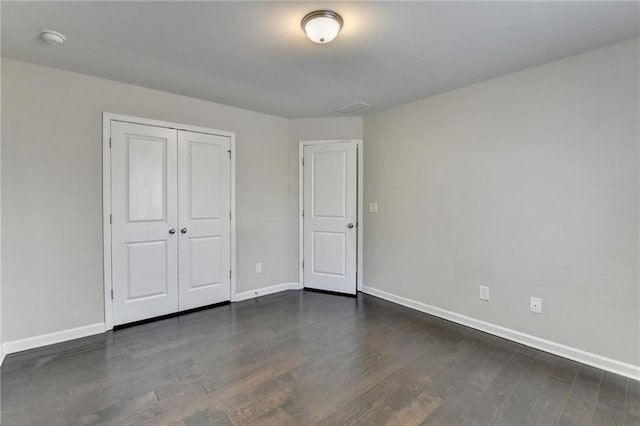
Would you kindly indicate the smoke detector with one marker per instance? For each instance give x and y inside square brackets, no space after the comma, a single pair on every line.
[52,37]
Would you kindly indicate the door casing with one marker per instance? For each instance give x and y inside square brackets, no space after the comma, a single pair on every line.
[360,227]
[106,197]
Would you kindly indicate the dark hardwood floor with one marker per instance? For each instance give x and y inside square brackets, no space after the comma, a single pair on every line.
[307,358]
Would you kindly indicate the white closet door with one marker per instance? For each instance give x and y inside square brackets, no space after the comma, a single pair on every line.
[204,210]
[144,221]
[330,216]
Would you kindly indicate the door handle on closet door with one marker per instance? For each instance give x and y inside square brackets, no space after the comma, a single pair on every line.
[351,225]
[183,231]
[172,231]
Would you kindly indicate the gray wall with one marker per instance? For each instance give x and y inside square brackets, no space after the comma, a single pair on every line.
[526,183]
[311,129]
[52,191]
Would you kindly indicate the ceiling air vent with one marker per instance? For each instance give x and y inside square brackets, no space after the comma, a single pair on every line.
[357,108]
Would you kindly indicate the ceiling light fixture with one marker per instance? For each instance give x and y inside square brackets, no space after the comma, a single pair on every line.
[322,26]
[52,37]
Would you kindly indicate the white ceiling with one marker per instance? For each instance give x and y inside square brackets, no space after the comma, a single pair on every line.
[254,54]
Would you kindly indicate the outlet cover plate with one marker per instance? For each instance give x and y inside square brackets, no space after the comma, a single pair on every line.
[535,305]
[258,268]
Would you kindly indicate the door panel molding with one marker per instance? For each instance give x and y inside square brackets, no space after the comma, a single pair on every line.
[203,214]
[360,215]
[107,119]
[144,207]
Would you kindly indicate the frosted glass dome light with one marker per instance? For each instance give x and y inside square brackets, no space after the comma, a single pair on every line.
[322,26]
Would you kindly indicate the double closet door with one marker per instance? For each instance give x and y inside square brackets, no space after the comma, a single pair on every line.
[170,231]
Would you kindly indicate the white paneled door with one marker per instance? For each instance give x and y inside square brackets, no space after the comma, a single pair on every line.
[330,216]
[170,231]
[204,216]
[144,196]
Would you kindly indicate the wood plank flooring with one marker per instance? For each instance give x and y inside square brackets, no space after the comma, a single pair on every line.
[301,358]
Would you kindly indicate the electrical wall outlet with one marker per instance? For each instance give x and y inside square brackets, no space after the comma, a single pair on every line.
[373,207]
[484,293]
[535,305]
[258,268]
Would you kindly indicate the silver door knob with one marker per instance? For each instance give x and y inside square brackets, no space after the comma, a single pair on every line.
[172,231]
[351,225]
[183,231]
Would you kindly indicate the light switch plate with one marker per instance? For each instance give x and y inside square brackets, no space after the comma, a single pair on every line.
[484,293]
[373,207]
[258,268]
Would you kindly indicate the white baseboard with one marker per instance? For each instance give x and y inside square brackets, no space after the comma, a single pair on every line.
[89,330]
[598,361]
[265,290]
[51,338]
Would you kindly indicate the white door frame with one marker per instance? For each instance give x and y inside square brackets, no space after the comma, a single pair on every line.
[107,118]
[359,227]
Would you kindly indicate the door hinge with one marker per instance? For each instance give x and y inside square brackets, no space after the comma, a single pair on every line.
[229,274]
[303,264]
[303,161]
[229,214]
[110,219]
[111,294]
[109,141]
[229,151]
[302,212]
